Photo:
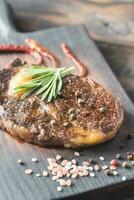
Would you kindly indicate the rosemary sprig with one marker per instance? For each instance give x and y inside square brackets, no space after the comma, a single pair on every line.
[44,81]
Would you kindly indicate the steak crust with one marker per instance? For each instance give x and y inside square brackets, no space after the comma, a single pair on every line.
[84,113]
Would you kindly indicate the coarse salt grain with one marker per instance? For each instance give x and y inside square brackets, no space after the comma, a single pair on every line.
[85,173]
[90,168]
[59,188]
[85,163]
[20,161]
[80,173]
[45,173]
[112,167]
[76,153]
[80,168]
[58,157]
[74,161]
[28,171]
[92,174]
[58,180]
[50,168]
[53,161]
[60,174]
[53,173]
[68,183]
[125,164]
[74,166]
[64,171]
[68,174]
[101,158]
[104,167]
[77,171]
[34,160]
[69,163]
[62,182]
[67,167]
[124,178]
[85,167]
[54,178]
[132,162]
[114,162]
[96,168]
[38,175]
[54,165]
[64,162]
[72,171]
[74,175]
[49,159]
[115,173]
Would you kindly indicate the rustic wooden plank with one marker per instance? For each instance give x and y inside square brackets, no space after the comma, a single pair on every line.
[14,183]
[120,58]
[114,21]
[55,13]
[110,28]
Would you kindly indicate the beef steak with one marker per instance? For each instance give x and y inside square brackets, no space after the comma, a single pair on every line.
[83,114]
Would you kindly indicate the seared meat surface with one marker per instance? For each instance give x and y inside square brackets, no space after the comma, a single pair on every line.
[83,114]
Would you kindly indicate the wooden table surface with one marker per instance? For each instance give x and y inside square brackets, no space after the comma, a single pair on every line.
[113,28]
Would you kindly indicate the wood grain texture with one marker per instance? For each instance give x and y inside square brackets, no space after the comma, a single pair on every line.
[44,14]
[14,183]
[120,58]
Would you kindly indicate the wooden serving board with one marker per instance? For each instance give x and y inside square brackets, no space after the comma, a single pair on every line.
[14,184]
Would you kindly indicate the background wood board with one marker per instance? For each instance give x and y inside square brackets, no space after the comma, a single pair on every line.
[44,14]
[14,183]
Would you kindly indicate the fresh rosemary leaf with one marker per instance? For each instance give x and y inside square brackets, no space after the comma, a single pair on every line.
[59,85]
[46,82]
[28,92]
[45,85]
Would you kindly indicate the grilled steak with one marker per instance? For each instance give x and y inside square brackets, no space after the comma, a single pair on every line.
[83,114]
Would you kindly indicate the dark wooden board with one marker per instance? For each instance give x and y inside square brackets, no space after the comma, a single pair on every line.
[14,184]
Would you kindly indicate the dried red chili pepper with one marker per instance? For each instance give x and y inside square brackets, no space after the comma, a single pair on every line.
[22,49]
[68,52]
[38,56]
[14,48]
[43,51]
